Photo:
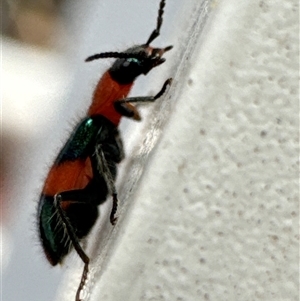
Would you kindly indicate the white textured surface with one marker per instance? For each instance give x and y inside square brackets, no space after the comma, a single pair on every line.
[215,215]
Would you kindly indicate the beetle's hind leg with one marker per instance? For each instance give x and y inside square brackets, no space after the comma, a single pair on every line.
[58,200]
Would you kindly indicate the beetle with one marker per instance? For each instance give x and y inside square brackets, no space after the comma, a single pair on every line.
[84,172]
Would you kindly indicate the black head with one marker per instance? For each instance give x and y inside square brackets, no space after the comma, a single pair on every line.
[136,60]
[141,59]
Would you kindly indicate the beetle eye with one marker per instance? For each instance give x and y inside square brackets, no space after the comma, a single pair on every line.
[131,61]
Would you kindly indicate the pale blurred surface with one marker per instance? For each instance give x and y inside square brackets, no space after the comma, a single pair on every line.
[34,84]
[35,79]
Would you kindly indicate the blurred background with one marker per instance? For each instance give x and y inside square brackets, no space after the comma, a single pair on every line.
[32,22]
[35,82]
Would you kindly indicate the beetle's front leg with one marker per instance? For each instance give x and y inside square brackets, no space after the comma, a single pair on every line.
[127,109]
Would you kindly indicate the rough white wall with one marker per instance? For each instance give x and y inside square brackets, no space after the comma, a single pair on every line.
[215,215]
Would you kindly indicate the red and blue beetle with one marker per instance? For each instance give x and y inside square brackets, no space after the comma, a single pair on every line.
[84,172]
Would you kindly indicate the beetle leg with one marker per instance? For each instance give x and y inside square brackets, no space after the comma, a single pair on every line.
[125,108]
[58,200]
[103,169]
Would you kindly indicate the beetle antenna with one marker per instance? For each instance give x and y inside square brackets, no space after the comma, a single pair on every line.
[155,33]
[103,55]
